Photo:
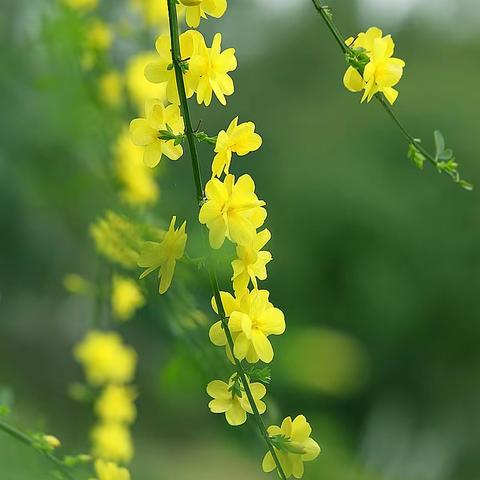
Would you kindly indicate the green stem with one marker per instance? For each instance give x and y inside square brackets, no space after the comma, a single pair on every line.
[25,439]
[327,18]
[189,132]
[404,131]
[177,65]
[323,11]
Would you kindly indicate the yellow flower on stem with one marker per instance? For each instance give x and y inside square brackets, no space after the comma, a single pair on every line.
[110,471]
[240,139]
[252,319]
[294,446]
[381,73]
[164,255]
[230,398]
[105,358]
[251,262]
[126,297]
[112,441]
[232,210]
[154,12]
[145,132]
[161,70]
[116,404]
[209,70]
[52,441]
[197,9]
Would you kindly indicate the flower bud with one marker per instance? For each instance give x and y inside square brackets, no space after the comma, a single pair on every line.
[52,441]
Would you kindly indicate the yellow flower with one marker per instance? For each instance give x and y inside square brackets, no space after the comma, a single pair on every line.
[105,358]
[116,404]
[118,239]
[110,471]
[138,87]
[252,319]
[383,71]
[154,12]
[197,9]
[52,441]
[298,447]
[251,262]
[240,139]
[145,132]
[112,441]
[230,398]
[164,255]
[98,35]
[161,71]
[81,4]
[209,70]
[232,210]
[139,186]
[126,297]
[110,87]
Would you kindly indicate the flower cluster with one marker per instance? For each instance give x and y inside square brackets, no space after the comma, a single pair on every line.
[230,209]
[110,365]
[373,68]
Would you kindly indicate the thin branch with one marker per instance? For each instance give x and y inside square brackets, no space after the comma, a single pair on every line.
[190,134]
[326,14]
[26,440]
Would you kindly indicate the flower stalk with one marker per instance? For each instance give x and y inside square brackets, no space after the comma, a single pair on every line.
[419,152]
[26,440]
[191,136]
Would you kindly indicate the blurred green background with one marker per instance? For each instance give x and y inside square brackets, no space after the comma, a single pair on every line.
[375,265]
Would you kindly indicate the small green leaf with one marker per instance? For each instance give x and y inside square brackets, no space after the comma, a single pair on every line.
[439,143]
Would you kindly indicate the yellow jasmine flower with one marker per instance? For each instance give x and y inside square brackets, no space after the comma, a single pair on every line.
[164,255]
[138,87]
[232,210]
[112,441]
[81,4]
[299,446]
[240,139]
[110,88]
[209,69]
[145,132]
[230,398]
[126,297]
[105,358]
[52,441]
[110,471]
[120,240]
[251,262]
[98,35]
[154,12]
[383,71]
[137,180]
[252,319]
[116,404]
[161,71]
[197,9]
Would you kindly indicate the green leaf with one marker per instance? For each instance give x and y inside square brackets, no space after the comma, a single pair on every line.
[439,143]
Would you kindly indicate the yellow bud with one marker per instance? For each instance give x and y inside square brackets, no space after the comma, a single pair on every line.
[54,442]
[191,3]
